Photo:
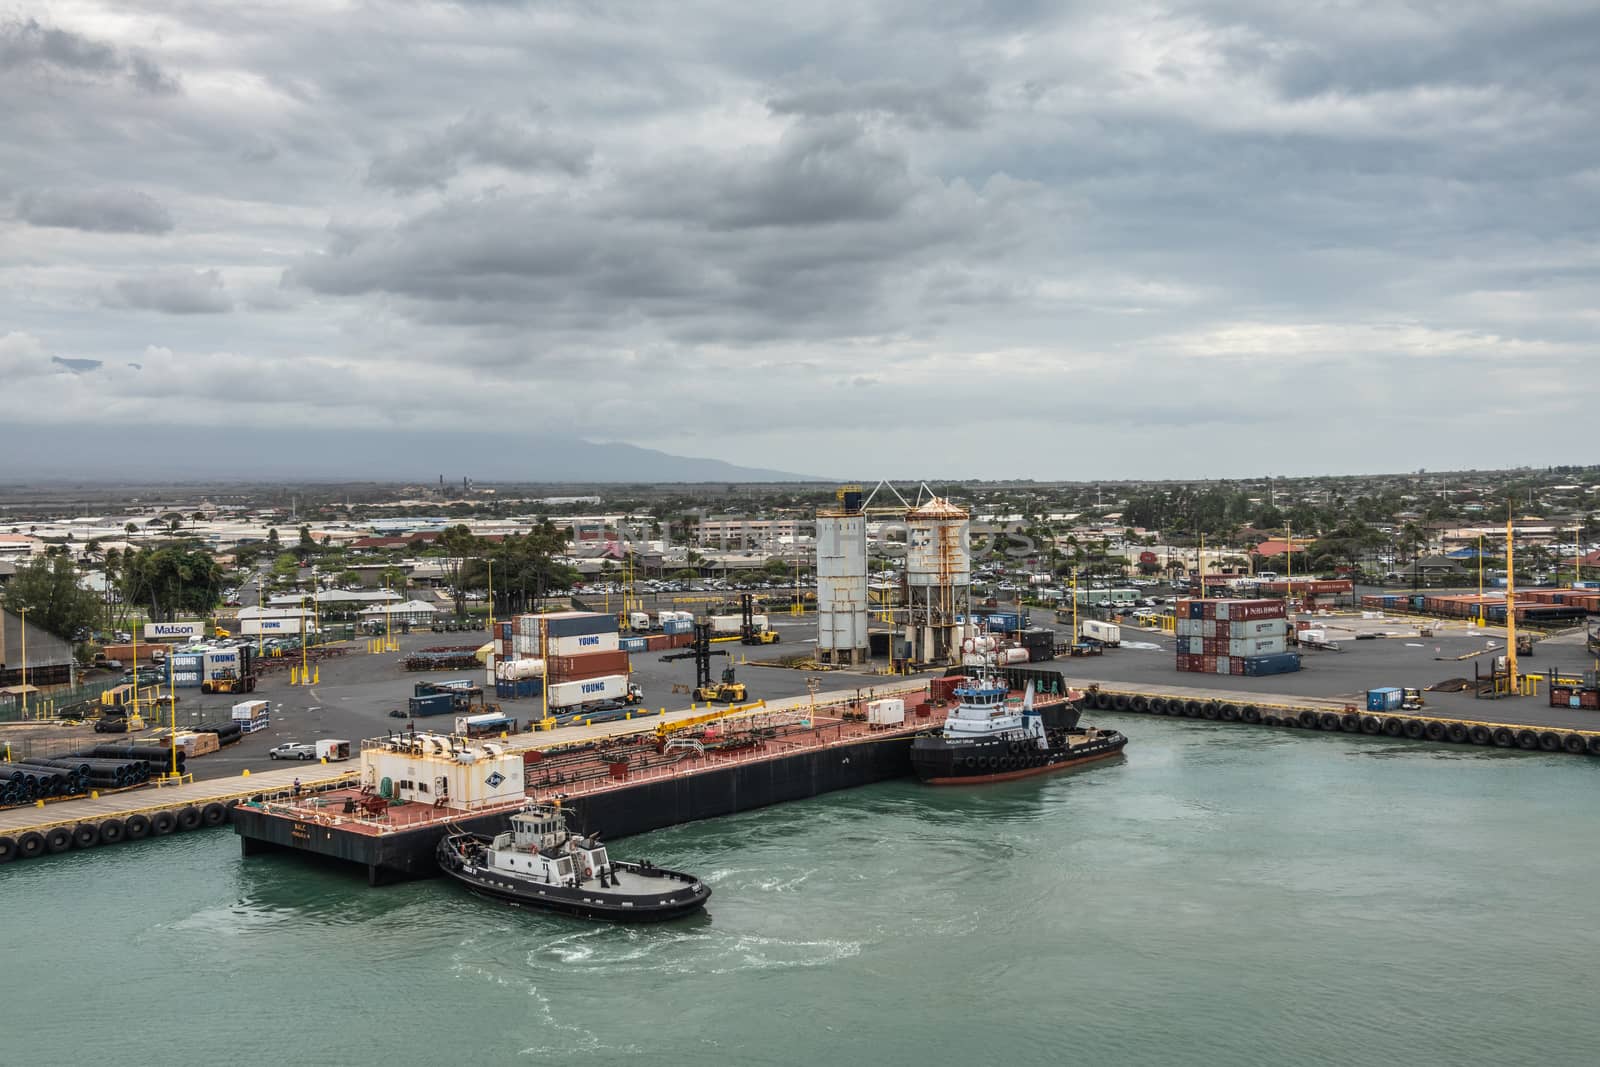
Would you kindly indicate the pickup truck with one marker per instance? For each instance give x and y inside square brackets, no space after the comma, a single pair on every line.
[291,750]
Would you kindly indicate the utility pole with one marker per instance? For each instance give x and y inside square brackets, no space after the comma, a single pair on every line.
[1511,607]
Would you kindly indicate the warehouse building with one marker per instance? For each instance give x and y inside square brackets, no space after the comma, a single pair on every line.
[50,659]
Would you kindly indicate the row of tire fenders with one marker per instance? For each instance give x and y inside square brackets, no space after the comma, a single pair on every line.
[1352,722]
[112,831]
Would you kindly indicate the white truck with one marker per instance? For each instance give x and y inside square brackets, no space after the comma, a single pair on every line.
[1108,634]
[333,749]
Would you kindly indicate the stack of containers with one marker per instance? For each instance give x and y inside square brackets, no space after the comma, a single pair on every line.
[1241,637]
[583,658]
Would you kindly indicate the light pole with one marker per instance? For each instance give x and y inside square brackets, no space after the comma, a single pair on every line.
[25,663]
[1480,581]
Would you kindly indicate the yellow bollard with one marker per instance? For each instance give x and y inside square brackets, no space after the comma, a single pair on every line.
[245,773]
[628,717]
[316,675]
[94,794]
[38,803]
[663,711]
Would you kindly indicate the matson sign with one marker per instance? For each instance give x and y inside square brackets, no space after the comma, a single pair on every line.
[169,631]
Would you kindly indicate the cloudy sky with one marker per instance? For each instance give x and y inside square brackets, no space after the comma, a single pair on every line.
[1070,240]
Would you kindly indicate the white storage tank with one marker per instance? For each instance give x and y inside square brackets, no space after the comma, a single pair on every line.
[842,586]
[517,669]
[1014,655]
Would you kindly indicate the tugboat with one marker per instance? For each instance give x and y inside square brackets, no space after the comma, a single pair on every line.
[538,863]
[987,740]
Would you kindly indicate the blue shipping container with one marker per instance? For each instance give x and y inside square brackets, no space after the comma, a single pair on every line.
[1277,663]
[1387,699]
[631,644]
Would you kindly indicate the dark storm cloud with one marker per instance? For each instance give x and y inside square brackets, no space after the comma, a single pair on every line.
[27,45]
[78,366]
[433,159]
[175,292]
[1186,207]
[671,247]
[96,210]
[958,104]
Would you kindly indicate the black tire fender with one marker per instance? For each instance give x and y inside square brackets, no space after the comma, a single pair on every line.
[112,832]
[213,814]
[30,843]
[1371,724]
[1480,735]
[1329,721]
[1394,727]
[1210,710]
[1527,739]
[1350,724]
[189,818]
[85,835]
[1434,731]
[1456,732]
[1250,714]
[1308,719]
[1574,744]
[8,849]
[1229,712]
[1139,703]
[1415,729]
[138,826]
[162,823]
[1503,737]
[1550,742]
[58,838]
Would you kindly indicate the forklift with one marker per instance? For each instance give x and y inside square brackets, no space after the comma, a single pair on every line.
[728,691]
[748,634]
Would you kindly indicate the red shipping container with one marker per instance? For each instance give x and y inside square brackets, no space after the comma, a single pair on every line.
[588,665]
[1236,665]
[1589,698]
[1208,664]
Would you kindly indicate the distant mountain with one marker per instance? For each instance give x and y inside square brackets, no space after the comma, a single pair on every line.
[177,453]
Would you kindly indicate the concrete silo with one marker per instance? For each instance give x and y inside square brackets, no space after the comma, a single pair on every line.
[842,580]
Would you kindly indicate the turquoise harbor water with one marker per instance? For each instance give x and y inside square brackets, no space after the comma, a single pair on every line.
[1225,896]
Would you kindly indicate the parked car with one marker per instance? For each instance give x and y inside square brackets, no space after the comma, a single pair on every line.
[292,750]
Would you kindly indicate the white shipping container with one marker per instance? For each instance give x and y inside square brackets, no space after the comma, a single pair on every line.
[1258,628]
[1107,633]
[1224,666]
[726,624]
[569,694]
[585,643]
[1256,646]
[333,749]
[638,620]
[888,712]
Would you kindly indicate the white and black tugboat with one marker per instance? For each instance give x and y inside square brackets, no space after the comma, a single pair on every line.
[538,863]
[987,738]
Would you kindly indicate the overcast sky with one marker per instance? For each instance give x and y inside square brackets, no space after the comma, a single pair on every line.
[962,239]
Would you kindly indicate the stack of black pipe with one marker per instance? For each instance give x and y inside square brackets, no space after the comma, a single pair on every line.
[106,773]
[23,783]
[160,759]
[227,732]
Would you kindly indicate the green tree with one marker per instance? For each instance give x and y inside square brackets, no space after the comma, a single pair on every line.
[307,542]
[272,538]
[177,578]
[461,551]
[47,588]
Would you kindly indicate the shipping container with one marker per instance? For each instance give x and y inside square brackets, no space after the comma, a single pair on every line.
[582,643]
[570,694]
[591,665]
[1106,633]
[1387,699]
